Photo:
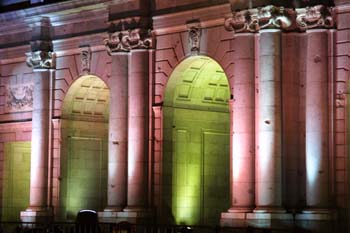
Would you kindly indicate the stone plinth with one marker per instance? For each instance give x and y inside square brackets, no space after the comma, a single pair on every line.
[32,215]
[233,219]
[317,220]
[270,220]
[140,217]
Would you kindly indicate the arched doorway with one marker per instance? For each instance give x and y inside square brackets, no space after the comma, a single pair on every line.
[196,143]
[84,147]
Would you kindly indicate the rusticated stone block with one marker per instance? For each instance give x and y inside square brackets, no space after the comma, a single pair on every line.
[343,20]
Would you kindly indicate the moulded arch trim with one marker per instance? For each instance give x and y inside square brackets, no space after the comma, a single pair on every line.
[104,78]
[198,81]
[184,58]
[87,98]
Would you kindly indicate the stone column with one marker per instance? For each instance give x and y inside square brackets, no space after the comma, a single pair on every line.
[292,69]
[317,215]
[41,59]
[118,133]
[138,131]
[39,148]
[242,126]
[128,125]
[268,188]
[316,122]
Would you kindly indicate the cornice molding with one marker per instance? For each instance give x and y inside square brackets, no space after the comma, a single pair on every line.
[287,19]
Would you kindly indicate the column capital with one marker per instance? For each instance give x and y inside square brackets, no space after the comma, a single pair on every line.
[41,57]
[126,40]
[41,60]
[279,17]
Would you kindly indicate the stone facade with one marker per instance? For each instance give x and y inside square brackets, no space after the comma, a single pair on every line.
[102,73]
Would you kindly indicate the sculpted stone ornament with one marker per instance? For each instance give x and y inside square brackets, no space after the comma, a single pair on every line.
[314,17]
[124,41]
[273,17]
[85,59]
[19,98]
[194,39]
[41,60]
[253,20]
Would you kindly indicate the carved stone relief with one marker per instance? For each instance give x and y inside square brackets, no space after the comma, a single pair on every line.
[19,98]
[124,41]
[41,60]
[85,59]
[314,17]
[194,37]
[273,17]
[41,55]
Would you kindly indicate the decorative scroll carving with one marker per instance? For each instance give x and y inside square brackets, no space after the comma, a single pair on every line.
[41,60]
[19,98]
[240,22]
[124,41]
[194,37]
[314,17]
[85,59]
[253,20]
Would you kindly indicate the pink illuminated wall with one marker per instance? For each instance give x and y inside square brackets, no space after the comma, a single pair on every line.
[288,99]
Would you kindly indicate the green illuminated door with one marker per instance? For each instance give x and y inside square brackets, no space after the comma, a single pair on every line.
[200,166]
[216,148]
[16,180]
[195,165]
[86,181]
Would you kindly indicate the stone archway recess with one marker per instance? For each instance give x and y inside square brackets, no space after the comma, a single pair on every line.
[196,143]
[84,156]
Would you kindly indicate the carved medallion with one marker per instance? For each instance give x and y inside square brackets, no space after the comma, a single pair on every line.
[19,98]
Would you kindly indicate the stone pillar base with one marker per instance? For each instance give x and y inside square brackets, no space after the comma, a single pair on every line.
[136,217]
[317,220]
[233,219]
[37,215]
[269,210]
[240,210]
[254,219]
[270,220]
[113,209]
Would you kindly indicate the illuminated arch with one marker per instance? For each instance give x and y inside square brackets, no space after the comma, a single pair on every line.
[87,99]
[196,125]
[84,133]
